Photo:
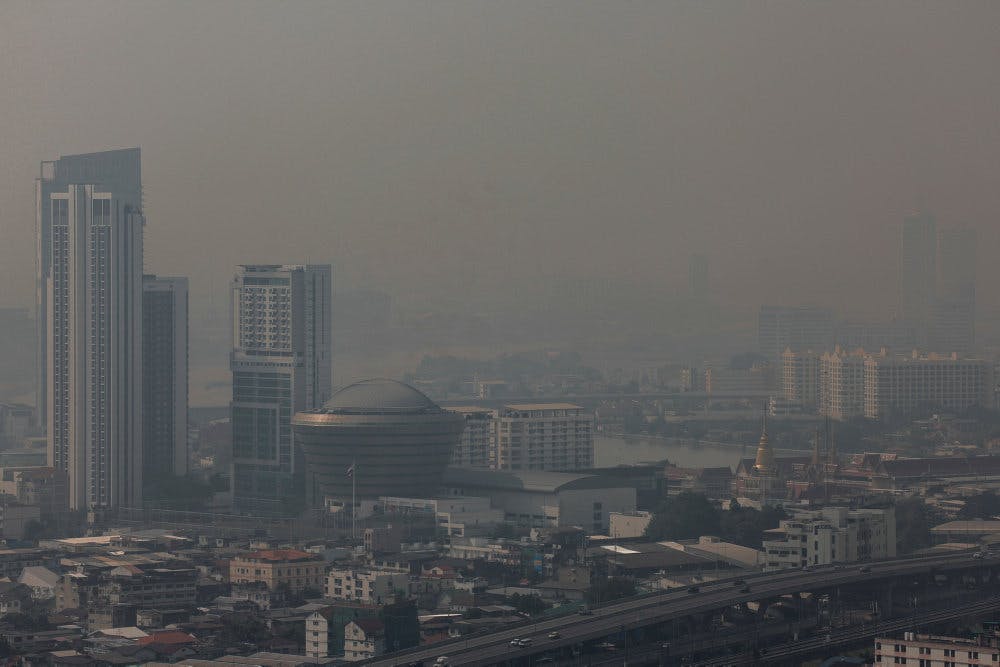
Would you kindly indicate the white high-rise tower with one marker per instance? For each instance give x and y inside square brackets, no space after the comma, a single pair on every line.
[90,228]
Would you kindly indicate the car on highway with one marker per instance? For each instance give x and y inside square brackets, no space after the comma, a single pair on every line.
[607,646]
[978,554]
[739,582]
[554,635]
[442,661]
[584,611]
[745,589]
[865,568]
[693,589]
[516,642]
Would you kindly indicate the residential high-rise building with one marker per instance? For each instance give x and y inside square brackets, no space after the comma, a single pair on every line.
[118,172]
[545,436]
[904,384]
[953,320]
[476,449]
[164,378]
[842,384]
[800,378]
[91,241]
[918,272]
[280,365]
[795,327]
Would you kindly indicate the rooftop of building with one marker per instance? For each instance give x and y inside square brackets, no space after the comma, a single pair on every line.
[379,395]
[542,406]
[278,556]
[524,480]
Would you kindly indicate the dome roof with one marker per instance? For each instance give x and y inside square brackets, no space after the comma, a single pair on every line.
[379,395]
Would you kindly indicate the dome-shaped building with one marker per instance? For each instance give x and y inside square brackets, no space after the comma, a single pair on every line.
[398,440]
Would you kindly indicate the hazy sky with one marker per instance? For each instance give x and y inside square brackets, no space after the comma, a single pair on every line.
[481,148]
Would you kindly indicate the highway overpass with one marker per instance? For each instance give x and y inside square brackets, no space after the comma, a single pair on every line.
[659,609]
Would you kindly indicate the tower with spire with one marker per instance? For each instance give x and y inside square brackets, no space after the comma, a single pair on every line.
[764,464]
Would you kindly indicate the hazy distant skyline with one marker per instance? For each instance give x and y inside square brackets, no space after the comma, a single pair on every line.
[480,149]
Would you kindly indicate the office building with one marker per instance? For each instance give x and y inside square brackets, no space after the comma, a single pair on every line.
[842,384]
[830,535]
[477,447]
[953,323]
[795,327]
[918,272]
[118,172]
[544,436]
[800,375]
[165,378]
[900,385]
[280,365]
[90,228]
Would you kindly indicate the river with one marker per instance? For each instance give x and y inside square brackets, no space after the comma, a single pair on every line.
[624,450]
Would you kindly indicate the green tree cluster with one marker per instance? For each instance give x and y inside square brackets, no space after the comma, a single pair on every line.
[609,589]
[689,515]
[913,525]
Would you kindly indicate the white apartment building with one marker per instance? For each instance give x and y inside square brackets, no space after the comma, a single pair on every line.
[92,243]
[902,384]
[364,639]
[842,384]
[365,585]
[319,632]
[544,436]
[936,651]
[800,374]
[477,447]
[280,365]
[165,376]
[830,535]
[456,516]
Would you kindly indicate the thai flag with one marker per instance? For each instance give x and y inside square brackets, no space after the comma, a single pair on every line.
[350,471]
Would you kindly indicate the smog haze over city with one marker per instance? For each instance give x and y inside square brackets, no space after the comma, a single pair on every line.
[482,333]
[535,170]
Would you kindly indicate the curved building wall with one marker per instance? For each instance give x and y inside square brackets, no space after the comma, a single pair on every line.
[394,454]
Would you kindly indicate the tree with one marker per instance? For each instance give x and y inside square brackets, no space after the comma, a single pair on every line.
[240,627]
[611,588]
[402,628]
[684,516]
[532,605]
[913,525]
[746,525]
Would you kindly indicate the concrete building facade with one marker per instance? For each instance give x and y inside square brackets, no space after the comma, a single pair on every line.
[904,384]
[165,376]
[477,448]
[92,254]
[800,378]
[280,567]
[830,535]
[842,384]
[544,436]
[280,365]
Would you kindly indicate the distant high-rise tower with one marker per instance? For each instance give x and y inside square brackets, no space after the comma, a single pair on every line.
[953,326]
[118,172]
[698,277]
[795,327]
[90,231]
[164,378]
[280,365]
[918,272]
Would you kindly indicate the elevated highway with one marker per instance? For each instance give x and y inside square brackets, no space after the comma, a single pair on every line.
[659,608]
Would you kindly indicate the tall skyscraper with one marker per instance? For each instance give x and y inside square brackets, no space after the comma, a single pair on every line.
[164,378]
[281,365]
[918,272]
[118,172]
[954,318]
[90,256]
[795,327]
[698,277]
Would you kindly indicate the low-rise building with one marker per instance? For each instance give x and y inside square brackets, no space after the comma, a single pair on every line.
[324,627]
[295,569]
[937,651]
[364,585]
[628,525]
[457,516]
[830,535]
[41,580]
[364,639]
